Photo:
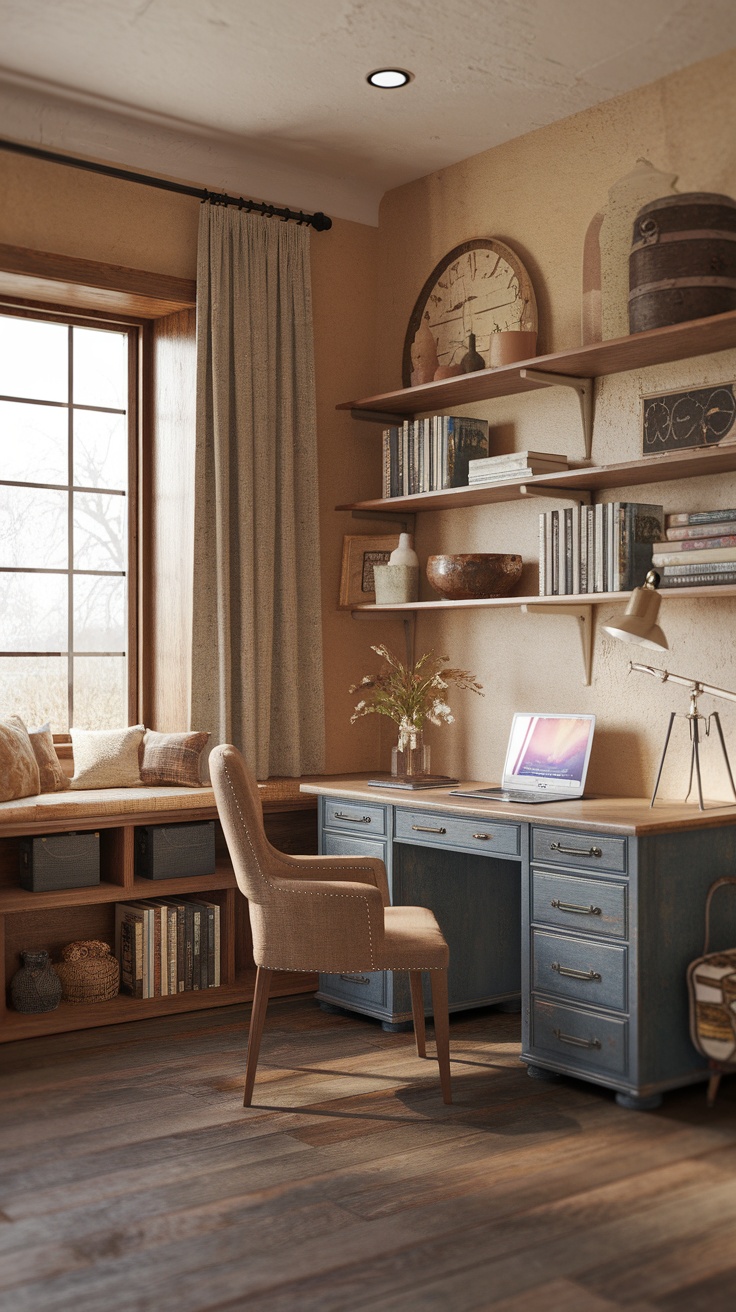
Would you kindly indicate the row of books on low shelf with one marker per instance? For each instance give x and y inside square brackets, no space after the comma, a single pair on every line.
[602,548]
[167,945]
[698,549]
[429,455]
[514,467]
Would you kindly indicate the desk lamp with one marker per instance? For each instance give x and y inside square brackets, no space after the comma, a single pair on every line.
[639,623]
[694,719]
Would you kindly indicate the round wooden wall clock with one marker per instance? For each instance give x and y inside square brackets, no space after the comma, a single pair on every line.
[480,287]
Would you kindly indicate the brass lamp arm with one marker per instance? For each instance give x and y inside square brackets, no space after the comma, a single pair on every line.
[694,685]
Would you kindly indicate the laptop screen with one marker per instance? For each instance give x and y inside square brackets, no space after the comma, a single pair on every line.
[549,753]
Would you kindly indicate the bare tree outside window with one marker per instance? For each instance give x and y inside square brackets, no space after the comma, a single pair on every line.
[64,501]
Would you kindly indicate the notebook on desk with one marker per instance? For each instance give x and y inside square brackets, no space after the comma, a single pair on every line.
[546,760]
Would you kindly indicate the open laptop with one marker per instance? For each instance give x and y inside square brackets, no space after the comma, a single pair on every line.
[546,760]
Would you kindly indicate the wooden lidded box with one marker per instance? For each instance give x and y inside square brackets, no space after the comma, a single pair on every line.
[682,264]
[59,861]
[173,851]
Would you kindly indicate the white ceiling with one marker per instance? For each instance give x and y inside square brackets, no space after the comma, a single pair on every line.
[269,99]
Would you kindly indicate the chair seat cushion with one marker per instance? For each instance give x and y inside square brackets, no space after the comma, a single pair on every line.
[412,940]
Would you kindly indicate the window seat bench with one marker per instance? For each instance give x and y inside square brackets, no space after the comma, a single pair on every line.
[52,919]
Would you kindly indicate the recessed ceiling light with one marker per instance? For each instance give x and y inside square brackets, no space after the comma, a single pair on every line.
[389,77]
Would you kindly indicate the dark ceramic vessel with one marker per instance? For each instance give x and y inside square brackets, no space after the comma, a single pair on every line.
[479,574]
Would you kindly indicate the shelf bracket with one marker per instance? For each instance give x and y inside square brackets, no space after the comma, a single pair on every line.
[410,627]
[582,386]
[559,493]
[584,616]
[406,518]
[383,417]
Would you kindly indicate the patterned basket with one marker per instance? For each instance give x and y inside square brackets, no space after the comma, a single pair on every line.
[712,985]
[88,972]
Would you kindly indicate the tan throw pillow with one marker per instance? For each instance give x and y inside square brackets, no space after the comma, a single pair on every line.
[53,779]
[106,758]
[19,775]
[172,758]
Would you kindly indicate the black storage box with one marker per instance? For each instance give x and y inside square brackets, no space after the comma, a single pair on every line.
[59,861]
[175,851]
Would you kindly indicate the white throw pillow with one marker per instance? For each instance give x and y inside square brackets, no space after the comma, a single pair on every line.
[107,758]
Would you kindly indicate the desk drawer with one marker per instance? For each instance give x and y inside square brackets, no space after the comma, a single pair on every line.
[594,906]
[579,1039]
[355,817]
[568,847]
[367,986]
[347,845]
[471,834]
[580,969]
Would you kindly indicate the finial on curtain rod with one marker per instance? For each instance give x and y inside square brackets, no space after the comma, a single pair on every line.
[319,221]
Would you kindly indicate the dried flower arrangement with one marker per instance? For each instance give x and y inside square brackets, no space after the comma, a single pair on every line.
[411,695]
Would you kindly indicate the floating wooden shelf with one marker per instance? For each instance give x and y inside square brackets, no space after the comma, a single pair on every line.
[566,601]
[618,355]
[590,478]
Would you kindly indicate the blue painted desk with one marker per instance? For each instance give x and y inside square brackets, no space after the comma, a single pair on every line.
[587,911]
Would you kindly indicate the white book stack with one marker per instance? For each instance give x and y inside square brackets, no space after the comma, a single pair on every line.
[514,467]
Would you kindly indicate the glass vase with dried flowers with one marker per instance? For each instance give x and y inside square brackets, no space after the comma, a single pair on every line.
[411,696]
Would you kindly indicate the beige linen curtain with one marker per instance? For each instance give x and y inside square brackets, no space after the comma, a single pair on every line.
[257,642]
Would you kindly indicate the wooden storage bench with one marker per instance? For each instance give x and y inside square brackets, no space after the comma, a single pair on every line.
[51,920]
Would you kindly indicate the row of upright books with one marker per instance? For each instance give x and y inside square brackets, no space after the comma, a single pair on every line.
[698,548]
[602,548]
[167,945]
[429,455]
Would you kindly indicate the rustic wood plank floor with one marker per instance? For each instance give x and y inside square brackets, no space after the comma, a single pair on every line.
[132,1178]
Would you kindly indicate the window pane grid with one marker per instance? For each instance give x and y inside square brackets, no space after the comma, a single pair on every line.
[97,363]
[64,405]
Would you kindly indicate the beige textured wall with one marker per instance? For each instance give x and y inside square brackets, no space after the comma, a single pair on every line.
[538,193]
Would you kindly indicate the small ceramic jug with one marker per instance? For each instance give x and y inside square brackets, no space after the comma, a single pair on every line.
[36,986]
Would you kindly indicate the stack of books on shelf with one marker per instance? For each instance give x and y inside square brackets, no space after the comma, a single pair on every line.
[602,548]
[167,945]
[514,467]
[698,549]
[429,455]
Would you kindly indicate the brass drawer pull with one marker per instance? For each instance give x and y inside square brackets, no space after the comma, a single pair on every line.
[575,974]
[576,1043]
[427,829]
[356,979]
[575,851]
[354,819]
[483,837]
[574,909]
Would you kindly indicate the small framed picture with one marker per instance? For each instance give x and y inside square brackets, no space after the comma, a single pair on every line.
[359,555]
[676,421]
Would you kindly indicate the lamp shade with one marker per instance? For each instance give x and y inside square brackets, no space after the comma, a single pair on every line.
[639,622]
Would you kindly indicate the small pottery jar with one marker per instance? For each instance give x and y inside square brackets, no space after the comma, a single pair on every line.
[509,346]
[472,361]
[396,584]
[36,987]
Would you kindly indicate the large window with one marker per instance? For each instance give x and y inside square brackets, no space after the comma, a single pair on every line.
[64,522]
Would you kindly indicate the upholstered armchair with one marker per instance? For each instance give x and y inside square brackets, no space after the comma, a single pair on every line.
[323,913]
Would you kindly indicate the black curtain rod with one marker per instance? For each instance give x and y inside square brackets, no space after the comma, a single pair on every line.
[321,222]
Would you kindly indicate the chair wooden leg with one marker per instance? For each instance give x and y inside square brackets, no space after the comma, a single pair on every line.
[417,1008]
[257,1017]
[442,1029]
[713,1083]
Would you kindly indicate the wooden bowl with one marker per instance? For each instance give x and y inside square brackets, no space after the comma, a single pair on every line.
[479,574]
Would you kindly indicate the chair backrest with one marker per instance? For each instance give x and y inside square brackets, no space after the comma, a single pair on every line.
[241,815]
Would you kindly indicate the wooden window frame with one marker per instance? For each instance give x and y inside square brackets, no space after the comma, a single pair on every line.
[43,285]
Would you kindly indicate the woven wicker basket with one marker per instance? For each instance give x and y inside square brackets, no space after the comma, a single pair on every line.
[88,972]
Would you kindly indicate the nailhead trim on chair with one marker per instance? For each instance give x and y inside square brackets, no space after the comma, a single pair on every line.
[307,891]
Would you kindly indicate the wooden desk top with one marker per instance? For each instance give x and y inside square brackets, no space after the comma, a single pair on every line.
[631,816]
